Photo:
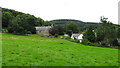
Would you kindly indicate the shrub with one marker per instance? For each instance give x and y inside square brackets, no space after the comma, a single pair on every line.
[28,32]
[85,41]
[77,41]
[68,38]
[56,35]
[94,44]
[105,43]
[4,30]
[72,40]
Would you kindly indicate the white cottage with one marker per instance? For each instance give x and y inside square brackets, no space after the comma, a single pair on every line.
[77,36]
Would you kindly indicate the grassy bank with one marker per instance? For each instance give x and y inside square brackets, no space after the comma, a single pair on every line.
[20,50]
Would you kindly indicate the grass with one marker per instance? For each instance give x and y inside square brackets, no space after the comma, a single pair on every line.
[20,50]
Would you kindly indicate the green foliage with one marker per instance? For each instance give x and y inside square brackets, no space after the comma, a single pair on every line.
[81,25]
[103,19]
[54,30]
[20,23]
[68,38]
[76,40]
[106,33]
[47,23]
[85,40]
[6,18]
[61,30]
[89,34]
[4,30]
[94,44]
[56,35]
[57,30]
[118,32]
[73,27]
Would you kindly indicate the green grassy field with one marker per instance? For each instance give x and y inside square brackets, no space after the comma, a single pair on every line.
[19,50]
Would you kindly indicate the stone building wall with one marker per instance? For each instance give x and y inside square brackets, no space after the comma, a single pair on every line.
[43,32]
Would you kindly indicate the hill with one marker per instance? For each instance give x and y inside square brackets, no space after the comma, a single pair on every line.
[82,25]
[19,22]
[21,50]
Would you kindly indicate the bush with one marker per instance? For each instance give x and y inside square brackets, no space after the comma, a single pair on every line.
[105,44]
[85,41]
[77,41]
[72,40]
[56,35]
[114,42]
[28,32]
[4,30]
[94,44]
[68,38]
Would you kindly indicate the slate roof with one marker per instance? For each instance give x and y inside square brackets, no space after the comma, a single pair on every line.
[43,28]
[75,35]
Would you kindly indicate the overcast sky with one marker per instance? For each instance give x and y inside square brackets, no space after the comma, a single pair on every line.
[84,10]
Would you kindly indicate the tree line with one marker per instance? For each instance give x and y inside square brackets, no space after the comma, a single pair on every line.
[21,23]
[107,34]
[69,28]
[81,25]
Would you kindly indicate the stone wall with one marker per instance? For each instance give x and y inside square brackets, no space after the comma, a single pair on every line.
[43,32]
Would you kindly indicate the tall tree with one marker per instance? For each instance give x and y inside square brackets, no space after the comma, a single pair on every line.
[89,34]
[47,23]
[72,27]
[106,33]
[118,33]
[6,18]
[54,30]
[18,22]
[14,26]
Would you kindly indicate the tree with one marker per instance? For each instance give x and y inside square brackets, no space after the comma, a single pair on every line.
[89,34]
[106,33]
[112,35]
[54,30]
[47,23]
[61,29]
[39,22]
[14,26]
[118,33]
[71,27]
[6,18]
[103,19]
[20,23]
